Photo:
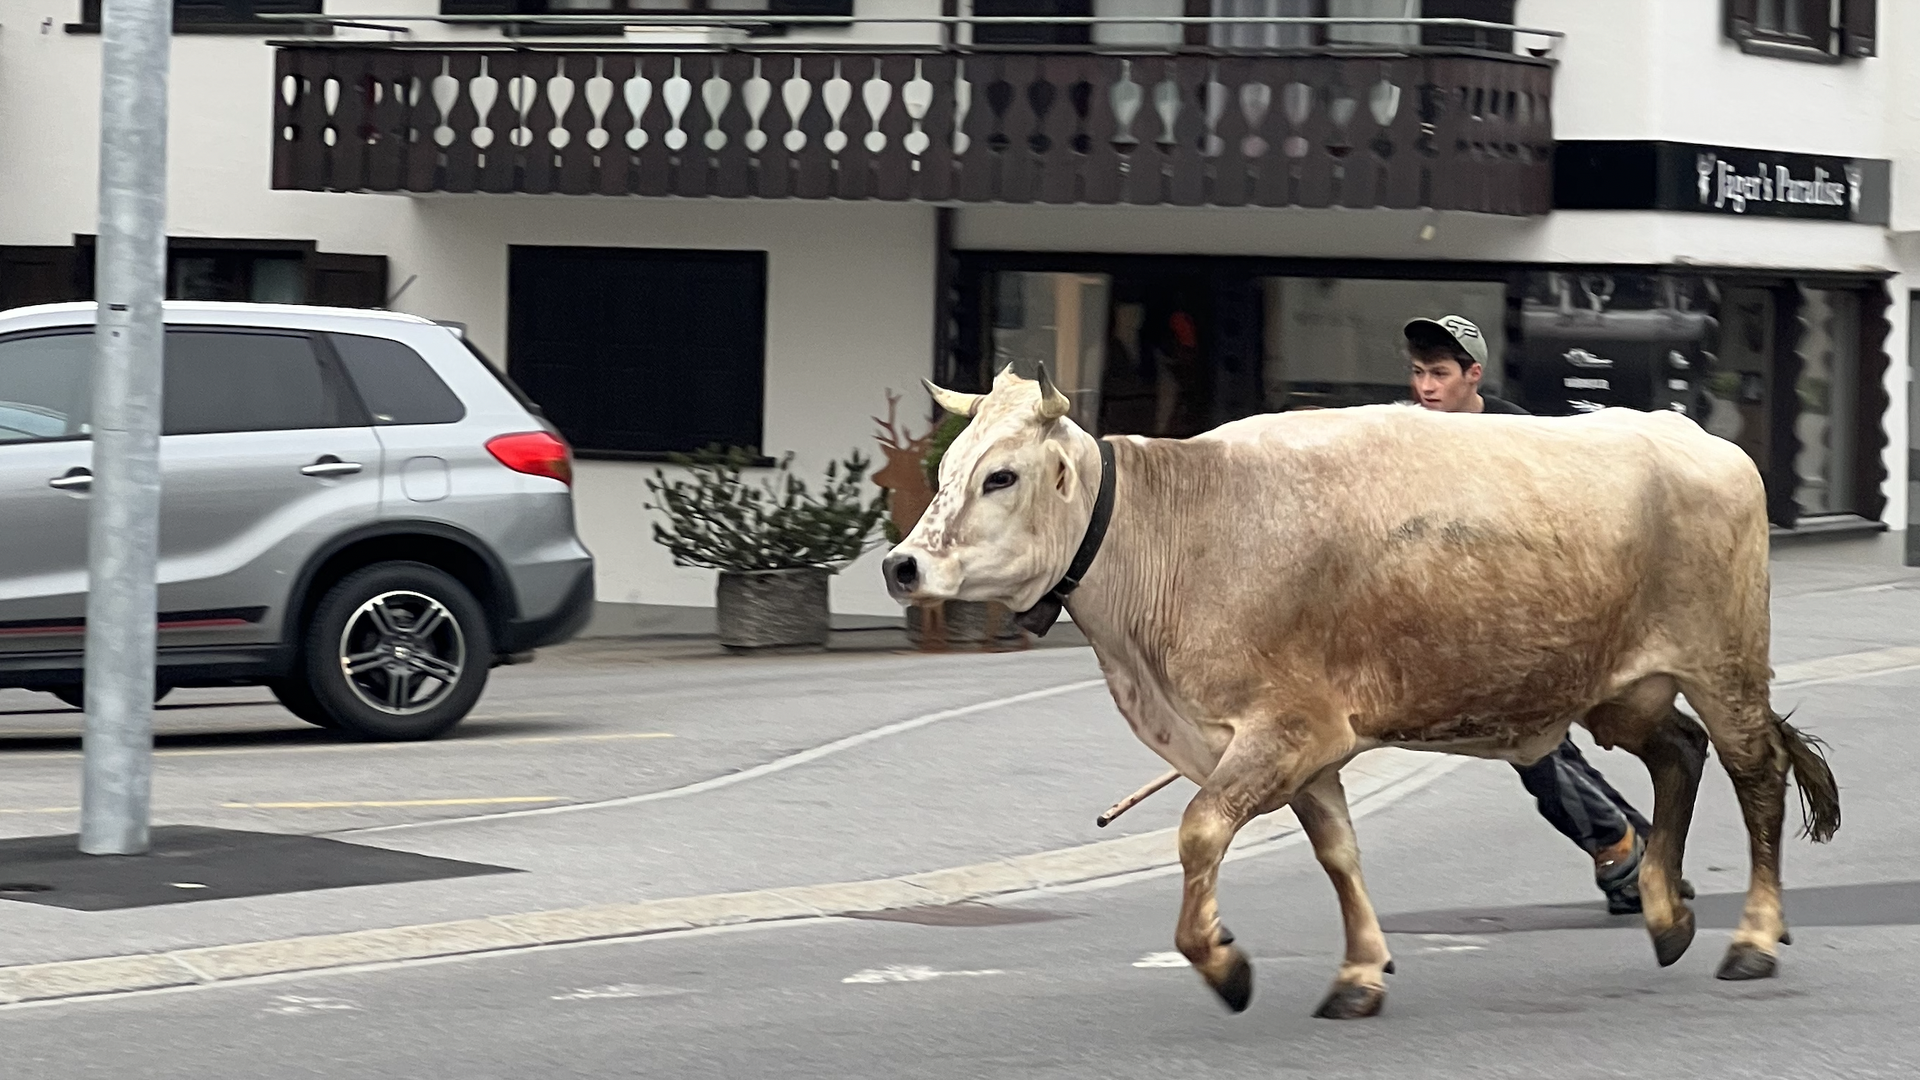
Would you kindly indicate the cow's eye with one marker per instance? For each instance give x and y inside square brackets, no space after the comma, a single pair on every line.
[999,478]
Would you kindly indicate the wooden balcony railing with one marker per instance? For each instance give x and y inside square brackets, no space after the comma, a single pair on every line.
[1449,132]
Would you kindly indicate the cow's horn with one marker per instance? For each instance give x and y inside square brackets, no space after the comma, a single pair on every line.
[954,401]
[1053,403]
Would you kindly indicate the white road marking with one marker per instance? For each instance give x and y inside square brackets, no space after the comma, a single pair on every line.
[295,1005]
[902,973]
[495,800]
[1161,960]
[755,772]
[621,991]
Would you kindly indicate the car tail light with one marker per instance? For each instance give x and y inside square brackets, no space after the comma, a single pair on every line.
[535,453]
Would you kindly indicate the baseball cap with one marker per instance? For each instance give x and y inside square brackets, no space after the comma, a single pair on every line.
[1459,331]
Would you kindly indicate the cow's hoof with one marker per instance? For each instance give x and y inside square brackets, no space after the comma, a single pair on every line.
[1786,937]
[1745,962]
[1236,986]
[1352,1003]
[1671,944]
[1226,935]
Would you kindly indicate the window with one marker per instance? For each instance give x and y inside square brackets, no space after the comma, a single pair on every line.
[646,7]
[1827,392]
[257,271]
[46,387]
[1363,35]
[638,353]
[1332,342]
[220,381]
[1033,33]
[191,15]
[236,275]
[1820,30]
[396,384]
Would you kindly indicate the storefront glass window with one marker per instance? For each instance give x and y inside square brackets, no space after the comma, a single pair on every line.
[1332,342]
[1736,393]
[1828,391]
[1059,320]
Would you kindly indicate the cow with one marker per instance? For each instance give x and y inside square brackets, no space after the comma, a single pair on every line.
[1279,594]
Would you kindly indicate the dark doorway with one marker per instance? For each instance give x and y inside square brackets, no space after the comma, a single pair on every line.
[640,353]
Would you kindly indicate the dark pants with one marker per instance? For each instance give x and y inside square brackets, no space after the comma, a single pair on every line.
[1577,800]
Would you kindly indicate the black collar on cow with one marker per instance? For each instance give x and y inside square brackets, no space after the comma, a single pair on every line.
[1040,618]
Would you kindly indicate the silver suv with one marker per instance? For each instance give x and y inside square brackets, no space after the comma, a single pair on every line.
[357,511]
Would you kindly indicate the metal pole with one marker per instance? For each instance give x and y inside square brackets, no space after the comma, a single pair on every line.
[123,528]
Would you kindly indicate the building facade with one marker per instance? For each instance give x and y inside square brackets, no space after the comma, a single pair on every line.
[677,222]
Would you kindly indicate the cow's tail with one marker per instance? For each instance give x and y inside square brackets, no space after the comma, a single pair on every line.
[1819,793]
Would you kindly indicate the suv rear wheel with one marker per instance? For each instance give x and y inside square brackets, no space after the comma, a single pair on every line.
[395,651]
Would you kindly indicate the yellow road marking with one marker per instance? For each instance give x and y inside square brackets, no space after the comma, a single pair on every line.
[45,810]
[341,748]
[389,803]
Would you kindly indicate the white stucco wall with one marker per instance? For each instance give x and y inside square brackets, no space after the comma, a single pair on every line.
[849,316]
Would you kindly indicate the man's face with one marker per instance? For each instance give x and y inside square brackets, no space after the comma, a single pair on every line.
[1442,383]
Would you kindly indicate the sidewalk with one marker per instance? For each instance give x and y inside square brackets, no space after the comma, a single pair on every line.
[990,793]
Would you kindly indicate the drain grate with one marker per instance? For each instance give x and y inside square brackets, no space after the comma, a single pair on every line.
[962,914]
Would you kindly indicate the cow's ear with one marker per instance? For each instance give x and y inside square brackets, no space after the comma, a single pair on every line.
[1066,479]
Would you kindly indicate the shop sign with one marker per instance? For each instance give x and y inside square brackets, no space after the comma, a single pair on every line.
[1724,180]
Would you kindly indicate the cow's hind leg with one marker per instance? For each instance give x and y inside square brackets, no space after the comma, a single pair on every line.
[1361,987]
[1757,747]
[1644,722]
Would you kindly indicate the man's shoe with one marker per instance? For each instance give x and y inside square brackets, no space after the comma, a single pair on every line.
[1617,871]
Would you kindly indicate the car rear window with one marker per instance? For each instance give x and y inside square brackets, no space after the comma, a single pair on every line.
[397,384]
[218,381]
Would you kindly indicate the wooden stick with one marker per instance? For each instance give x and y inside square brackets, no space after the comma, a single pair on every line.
[1134,799]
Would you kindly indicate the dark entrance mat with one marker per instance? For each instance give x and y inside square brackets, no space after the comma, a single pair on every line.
[1880,903]
[191,863]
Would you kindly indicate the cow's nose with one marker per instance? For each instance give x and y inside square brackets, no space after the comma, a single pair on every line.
[902,573]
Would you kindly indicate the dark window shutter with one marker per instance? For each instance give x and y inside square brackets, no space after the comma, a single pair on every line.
[484,7]
[358,281]
[810,7]
[39,275]
[1858,23]
[1743,16]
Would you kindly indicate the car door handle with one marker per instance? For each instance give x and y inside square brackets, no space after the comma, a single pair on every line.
[76,480]
[328,465]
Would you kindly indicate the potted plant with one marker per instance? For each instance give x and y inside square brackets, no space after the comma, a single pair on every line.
[774,543]
[911,476]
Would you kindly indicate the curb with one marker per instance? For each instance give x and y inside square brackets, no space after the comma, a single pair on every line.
[1369,777]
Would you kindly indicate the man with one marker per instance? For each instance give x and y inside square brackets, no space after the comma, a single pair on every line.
[1449,356]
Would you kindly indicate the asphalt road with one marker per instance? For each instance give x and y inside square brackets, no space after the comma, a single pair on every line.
[1508,965]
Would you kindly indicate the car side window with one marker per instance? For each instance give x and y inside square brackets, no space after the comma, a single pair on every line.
[46,387]
[395,383]
[221,381]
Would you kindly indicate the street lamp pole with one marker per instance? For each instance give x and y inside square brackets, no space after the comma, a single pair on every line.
[124,521]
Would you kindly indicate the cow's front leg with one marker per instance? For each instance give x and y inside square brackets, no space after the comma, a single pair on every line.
[1361,988]
[1206,829]
[1253,777]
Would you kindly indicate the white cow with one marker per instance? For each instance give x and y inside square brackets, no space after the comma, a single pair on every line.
[1277,595]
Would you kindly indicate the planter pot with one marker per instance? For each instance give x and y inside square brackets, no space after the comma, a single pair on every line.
[962,623]
[772,609]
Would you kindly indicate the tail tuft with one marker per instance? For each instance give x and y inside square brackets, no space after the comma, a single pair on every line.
[1819,793]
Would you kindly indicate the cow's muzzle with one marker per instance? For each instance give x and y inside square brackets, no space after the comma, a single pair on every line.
[903,575]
